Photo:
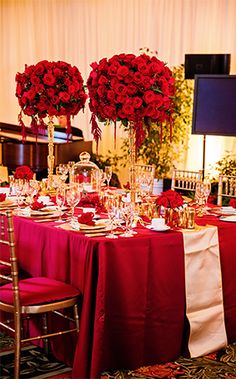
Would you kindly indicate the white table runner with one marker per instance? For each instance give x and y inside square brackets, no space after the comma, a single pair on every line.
[203,286]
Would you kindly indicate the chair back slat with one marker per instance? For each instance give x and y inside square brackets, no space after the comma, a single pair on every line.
[185,180]
[226,187]
[10,258]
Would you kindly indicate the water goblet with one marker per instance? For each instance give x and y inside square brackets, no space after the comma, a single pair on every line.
[73,197]
[112,212]
[108,174]
[127,214]
[60,200]
[18,186]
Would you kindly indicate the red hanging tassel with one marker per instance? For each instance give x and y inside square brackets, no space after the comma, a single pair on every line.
[22,125]
[115,134]
[68,128]
[95,130]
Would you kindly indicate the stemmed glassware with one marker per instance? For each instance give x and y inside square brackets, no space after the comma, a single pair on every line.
[60,200]
[108,174]
[18,186]
[62,170]
[127,214]
[203,189]
[70,166]
[112,212]
[73,197]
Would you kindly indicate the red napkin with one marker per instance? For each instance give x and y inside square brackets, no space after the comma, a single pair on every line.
[37,205]
[2,197]
[86,219]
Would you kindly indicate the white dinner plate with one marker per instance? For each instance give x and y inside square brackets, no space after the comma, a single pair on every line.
[228,218]
[228,210]
[162,229]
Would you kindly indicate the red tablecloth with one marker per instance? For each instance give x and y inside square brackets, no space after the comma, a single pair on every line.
[133,309]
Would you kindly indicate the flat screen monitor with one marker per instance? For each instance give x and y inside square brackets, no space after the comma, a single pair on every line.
[207,64]
[214,105]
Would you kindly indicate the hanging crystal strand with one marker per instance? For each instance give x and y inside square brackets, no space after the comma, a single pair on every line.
[50,157]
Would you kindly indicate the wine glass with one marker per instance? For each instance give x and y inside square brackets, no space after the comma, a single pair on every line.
[60,200]
[18,186]
[73,197]
[112,212]
[62,170]
[108,174]
[70,166]
[127,214]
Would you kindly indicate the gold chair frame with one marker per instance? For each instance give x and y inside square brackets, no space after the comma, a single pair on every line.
[185,180]
[19,312]
[226,188]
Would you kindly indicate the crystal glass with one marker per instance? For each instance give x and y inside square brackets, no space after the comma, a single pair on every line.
[60,200]
[203,189]
[18,186]
[112,212]
[70,166]
[108,174]
[63,170]
[127,214]
[11,184]
[73,197]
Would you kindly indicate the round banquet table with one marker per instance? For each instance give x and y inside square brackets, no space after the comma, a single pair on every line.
[133,291]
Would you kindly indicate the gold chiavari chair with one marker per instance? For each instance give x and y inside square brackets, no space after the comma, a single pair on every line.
[32,296]
[226,187]
[185,180]
[144,177]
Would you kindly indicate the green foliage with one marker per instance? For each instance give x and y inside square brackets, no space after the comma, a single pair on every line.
[227,165]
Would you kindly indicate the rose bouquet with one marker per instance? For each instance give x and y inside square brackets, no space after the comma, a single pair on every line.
[2,197]
[49,89]
[23,172]
[132,88]
[170,199]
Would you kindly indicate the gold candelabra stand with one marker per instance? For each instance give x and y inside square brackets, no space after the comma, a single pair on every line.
[50,157]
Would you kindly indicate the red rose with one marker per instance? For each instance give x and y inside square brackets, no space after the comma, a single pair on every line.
[39,69]
[64,96]
[232,203]
[39,88]
[49,79]
[86,219]
[34,79]
[30,94]
[132,89]
[138,78]
[18,89]
[149,97]
[122,72]
[57,72]
[137,102]
[50,92]
[111,95]
[23,172]
[101,91]
[151,111]
[102,80]
[128,110]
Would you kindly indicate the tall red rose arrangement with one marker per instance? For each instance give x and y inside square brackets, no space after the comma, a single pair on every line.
[132,88]
[49,89]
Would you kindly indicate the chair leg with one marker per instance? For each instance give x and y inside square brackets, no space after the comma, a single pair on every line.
[45,331]
[17,346]
[76,316]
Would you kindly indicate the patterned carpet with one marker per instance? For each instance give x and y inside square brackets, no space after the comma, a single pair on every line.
[212,366]
[34,363]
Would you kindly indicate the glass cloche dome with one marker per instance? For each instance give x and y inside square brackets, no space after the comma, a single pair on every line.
[86,173]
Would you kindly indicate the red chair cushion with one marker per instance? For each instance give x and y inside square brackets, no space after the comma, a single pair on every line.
[5,270]
[38,291]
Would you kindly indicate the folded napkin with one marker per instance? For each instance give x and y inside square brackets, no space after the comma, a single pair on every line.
[37,205]
[86,219]
[2,197]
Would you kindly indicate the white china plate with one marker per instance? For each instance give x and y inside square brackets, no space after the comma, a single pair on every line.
[228,218]
[227,210]
[163,229]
